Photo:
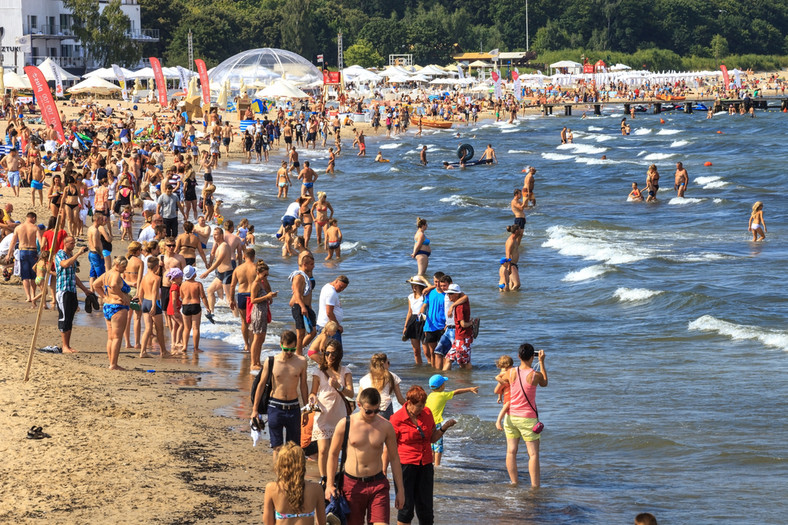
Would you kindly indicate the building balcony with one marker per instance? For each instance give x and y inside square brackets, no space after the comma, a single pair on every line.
[49,31]
[144,35]
[64,62]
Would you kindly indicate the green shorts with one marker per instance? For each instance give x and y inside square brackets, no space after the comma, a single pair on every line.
[516,427]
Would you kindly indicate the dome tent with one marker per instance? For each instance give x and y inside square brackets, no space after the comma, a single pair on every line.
[265,63]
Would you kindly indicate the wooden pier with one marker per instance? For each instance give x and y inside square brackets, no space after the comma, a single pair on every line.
[687,104]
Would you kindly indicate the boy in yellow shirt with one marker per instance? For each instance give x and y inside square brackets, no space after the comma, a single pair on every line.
[436,402]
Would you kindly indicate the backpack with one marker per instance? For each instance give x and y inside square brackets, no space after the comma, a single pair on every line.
[262,406]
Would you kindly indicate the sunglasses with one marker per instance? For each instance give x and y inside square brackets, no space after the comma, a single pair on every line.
[421,432]
[331,353]
[370,411]
[171,245]
[287,348]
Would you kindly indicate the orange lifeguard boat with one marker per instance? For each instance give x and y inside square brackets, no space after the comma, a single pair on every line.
[671,98]
[441,124]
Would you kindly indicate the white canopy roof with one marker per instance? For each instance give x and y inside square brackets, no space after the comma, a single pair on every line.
[479,63]
[94,85]
[566,63]
[46,68]
[15,81]
[281,89]
[107,73]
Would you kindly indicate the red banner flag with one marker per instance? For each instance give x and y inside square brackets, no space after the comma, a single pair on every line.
[45,101]
[161,85]
[494,76]
[725,78]
[204,81]
[331,77]
[515,75]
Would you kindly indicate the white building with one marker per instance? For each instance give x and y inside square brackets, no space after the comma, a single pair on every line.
[33,30]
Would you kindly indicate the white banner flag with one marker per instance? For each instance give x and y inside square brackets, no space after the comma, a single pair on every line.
[459,70]
[122,79]
[184,84]
[58,80]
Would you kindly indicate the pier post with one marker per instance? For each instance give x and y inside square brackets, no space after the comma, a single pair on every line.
[627,109]
[688,107]
[568,110]
[657,108]
[597,109]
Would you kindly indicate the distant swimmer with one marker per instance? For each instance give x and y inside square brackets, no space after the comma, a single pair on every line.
[624,126]
[757,223]
[652,183]
[563,135]
[635,194]
[570,137]
[423,156]
[528,187]
[518,208]
[682,180]
[379,157]
[489,155]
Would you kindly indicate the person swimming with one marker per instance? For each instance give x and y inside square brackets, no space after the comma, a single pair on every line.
[635,194]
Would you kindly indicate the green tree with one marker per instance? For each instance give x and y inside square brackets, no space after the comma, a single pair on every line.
[719,47]
[164,15]
[297,29]
[103,33]
[364,54]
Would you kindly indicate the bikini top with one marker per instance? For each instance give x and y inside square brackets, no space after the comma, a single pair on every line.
[426,242]
[125,288]
[278,515]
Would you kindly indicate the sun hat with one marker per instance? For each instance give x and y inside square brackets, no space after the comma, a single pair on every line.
[189,272]
[418,280]
[454,288]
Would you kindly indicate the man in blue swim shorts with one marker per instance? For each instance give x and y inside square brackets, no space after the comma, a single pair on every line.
[25,234]
[11,164]
[308,177]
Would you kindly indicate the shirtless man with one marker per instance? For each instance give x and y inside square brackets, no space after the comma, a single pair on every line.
[308,178]
[234,242]
[26,234]
[243,278]
[513,255]
[289,379]
[563,135]
[98,238]
[423,156]
[301,301]
[150,293]
[682,180]
[191,294]
[221,261]
[203,232]
[188,244]
[287,133]
[12,163]
[282,181]
[227,136]
[365,485]
[518,208]
[528,187]
[293,159]
[37,180]
[488,156]
[172,259]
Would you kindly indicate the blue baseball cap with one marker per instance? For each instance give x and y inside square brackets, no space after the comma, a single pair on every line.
[437,380]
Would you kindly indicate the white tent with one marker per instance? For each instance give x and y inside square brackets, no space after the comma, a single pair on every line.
[571,67]
[94,85]
[147,72]
[619,67]
[435,71]
[15,81]
[107,73]
[46,69]
[281,89]
[479,63]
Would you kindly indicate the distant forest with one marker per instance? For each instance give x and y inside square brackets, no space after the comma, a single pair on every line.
[661,32]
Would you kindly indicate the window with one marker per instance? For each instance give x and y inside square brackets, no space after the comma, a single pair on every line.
[53,51]
[33,22]
[65,51]
[51,30]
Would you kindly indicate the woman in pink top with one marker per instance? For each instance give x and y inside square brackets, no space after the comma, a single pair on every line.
[523,413]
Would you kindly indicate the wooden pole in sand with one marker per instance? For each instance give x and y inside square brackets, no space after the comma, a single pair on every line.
[44,292]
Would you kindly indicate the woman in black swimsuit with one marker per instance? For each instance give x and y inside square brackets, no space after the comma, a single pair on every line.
[73,202]
[305,213]
[55,193]
[190,193]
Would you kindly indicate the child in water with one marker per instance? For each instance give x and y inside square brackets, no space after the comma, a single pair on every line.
[436,402]
[757,224]
[333,239]
[379,157]
[635,194]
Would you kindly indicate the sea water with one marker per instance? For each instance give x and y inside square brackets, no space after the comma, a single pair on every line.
[663,324]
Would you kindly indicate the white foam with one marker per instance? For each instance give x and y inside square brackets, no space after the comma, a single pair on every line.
[705,180]
[669,131]
[393,169]
[717,201]
[516,151]
[641,131]
[582,148]
[594,161]
[679,143]
[711,183]
[393,145]
[635,294]
[684,200]
[346,246]
[658,156]
[555,156]
[248,167]
[702,257]
[426,188]
[513,130]
[602,137]
[589,272]
[594,128]
[738,332]
[590,245]
[456,200]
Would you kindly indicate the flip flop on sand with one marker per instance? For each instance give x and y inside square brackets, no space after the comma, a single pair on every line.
[51,349]
[37,433]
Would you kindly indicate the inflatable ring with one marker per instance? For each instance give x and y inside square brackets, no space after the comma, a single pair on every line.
[465,152]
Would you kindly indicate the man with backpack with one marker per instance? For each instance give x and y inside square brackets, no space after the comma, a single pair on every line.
[276,393]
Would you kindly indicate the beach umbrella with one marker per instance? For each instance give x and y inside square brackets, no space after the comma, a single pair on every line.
[14,81]
[242,88]
[137,87]
[46,68]
[281,89]
[150,84]
[192,87]
[94,85]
